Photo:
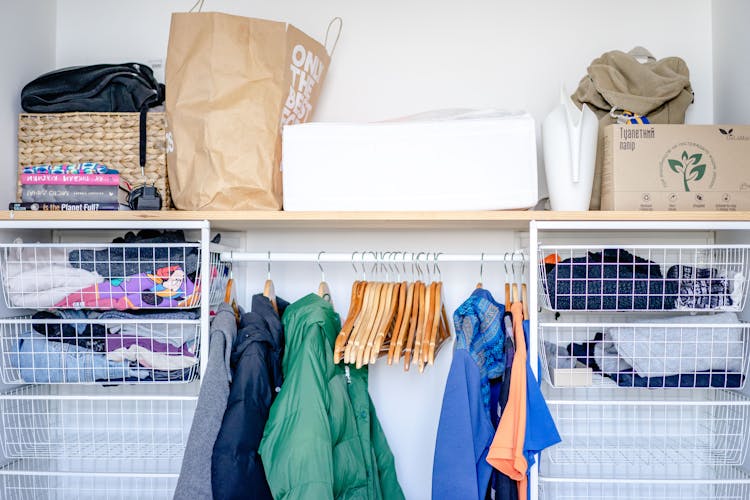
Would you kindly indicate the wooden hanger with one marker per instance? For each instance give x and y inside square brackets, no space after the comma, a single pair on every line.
[355,306]
[269,291]
[417,308]
[422,324]
[370,295]
[230,297]
[363,353]
[389,340]
[432,313]
[387,324]
[369,323]
[430,351]
[397,347]
[444,334]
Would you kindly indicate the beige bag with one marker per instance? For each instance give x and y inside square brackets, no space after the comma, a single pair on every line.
[232,82]
[617,82]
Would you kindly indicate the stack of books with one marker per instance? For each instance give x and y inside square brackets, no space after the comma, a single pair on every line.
[69,186]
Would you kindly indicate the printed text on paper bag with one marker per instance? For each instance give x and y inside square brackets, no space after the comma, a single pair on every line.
[306,68]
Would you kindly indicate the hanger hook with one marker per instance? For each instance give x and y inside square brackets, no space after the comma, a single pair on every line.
[374,263]
[364,271]
[523,263]
[353,266]
[427,265]
[481,268]
[416,263]
[322,273]
[384,264]
[505,265]
[268,266]
[437,267]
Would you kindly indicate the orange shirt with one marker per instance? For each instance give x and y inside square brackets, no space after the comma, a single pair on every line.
[506,452]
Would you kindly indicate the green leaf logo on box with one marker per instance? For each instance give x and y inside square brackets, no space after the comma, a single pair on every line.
[690,167]
[687,166]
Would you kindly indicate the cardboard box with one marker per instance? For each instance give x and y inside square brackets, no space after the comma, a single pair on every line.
[676,167]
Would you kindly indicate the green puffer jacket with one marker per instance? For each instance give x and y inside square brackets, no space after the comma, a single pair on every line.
[323,439]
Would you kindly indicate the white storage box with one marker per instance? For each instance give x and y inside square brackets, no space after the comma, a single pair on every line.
[451,160]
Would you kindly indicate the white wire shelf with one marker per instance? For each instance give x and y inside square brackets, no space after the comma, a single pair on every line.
[85,480]
[643,277]
[725,483]
[653,429]
[100,276]
[88,351]
[45,422]
[650,355]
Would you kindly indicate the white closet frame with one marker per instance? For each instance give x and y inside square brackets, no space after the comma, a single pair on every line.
[162,397]
[536,235]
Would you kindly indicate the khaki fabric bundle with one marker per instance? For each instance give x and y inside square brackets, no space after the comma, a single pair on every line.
[617,81]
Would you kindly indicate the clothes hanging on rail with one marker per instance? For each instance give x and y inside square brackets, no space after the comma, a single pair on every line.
[465,429]
[236,469]
[195,476]
[323,439]
[506,452]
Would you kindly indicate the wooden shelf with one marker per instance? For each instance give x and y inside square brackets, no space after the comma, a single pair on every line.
[504,219]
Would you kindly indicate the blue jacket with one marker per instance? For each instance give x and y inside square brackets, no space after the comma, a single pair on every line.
[237,470]
[460,470]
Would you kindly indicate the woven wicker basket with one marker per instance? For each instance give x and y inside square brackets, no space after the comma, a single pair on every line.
[108,138]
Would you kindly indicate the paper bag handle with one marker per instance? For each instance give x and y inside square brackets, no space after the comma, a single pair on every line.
[328,31]
[198,4]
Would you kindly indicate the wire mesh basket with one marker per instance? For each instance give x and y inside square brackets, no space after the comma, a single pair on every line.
[658,354]
[32,479]
[726,484]
[45,422]
[220,275]
[101,276]
[88,351]
[650,429]
[643,278]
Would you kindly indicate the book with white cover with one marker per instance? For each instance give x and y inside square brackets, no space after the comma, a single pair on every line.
[442,160]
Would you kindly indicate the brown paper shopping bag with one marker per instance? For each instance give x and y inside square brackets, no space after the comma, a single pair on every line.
[232,83]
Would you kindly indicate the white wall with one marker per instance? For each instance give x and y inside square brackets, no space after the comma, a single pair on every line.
[731,71]
[396,58]
[28,50]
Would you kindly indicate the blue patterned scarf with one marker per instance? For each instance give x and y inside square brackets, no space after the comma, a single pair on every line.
[479,329]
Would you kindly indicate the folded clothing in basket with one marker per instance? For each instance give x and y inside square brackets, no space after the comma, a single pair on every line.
[612,279]
[176,334]
[165,287]
[149,353]
[149,350]
[591,354]
[116,263]
[703,288]
[40,277]
[42,362]
[85,334]
[615,279]
[649,356]
[654,351]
